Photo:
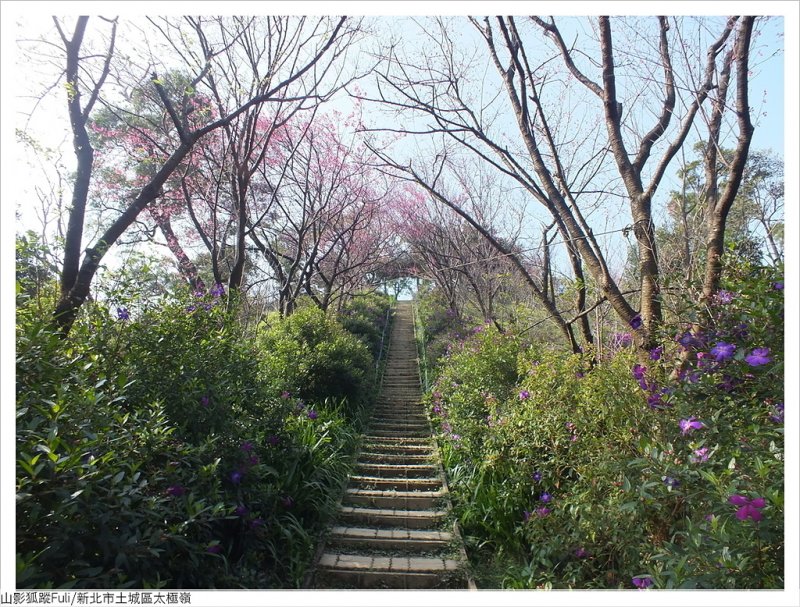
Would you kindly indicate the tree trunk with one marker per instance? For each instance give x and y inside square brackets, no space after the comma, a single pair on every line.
[66,310]
[187,269]
[718,209]
[84,155]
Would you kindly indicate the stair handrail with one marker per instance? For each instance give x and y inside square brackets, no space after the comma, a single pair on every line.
[419,338]
[383,339]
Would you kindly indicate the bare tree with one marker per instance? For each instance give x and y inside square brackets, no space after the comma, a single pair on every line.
[79,111]
[543,157]
[325,40]
[718,204]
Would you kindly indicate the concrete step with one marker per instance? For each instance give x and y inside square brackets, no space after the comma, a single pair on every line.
[387,433]
[415,420]
[404,399]
[397,470]
[393,410]
[398,572]
[400,484]
[406,500]
[392,517]
[401,540]
[401,425]
[397,448]
[374,457]
[425,441]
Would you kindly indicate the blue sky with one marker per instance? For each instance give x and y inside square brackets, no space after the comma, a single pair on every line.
[775,130]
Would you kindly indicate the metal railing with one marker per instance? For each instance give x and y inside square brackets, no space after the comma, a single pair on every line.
[419,338]
[379,359]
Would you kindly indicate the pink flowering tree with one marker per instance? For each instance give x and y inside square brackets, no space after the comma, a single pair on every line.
[322,233]
[130,149]
[294,61]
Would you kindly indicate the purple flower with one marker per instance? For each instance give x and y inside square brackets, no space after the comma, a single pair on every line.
[191,308]
[252,460]
[723,351]
[526,516]
[748,508]
[246,446]
[569,426]
[655,353]
[214,549]
[123,314]
[536,476]
[581,553]
[636,321]
[524,395]
[437,409]
[740,331]
[287,501]
[671,482]
[777,416]
[642,582]
[273,440]
[176,490]
[654,401]
[727,383]
[541,512]
[687,425]
[217,290]
[687,340]
[759,356]
[241,511]
[205,400]
[638,371]
[700,455]
[778,286]
[723,297]
[286,394]
[199,293]
[236,477]
[312,414]
[579,374]
[546,498]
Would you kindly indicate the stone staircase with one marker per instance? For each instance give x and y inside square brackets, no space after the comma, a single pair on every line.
[394,528]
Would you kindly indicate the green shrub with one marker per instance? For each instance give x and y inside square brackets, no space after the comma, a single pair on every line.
[93,508]
[126,479]
[572,475]
[310,356]
[191,355]
[365,316]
